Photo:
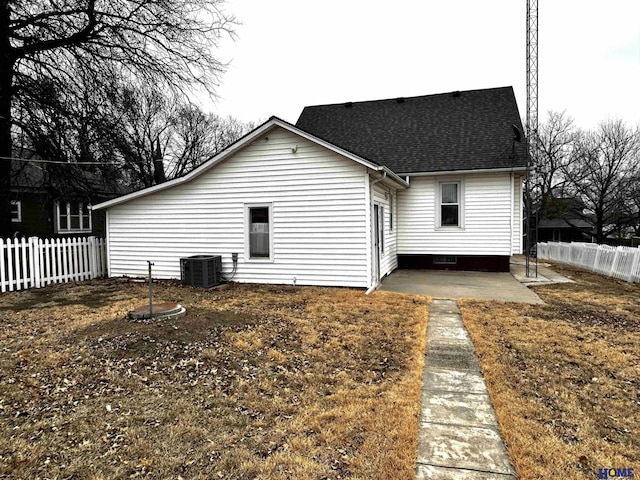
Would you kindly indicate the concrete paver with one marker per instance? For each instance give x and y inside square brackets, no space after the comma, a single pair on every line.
[459,436]
[463,447]
[428,472]
[458,408]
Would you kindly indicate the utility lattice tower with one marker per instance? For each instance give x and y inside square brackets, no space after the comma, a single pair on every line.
[531,136]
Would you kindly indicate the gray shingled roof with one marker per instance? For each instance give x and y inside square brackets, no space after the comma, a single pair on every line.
[466,130]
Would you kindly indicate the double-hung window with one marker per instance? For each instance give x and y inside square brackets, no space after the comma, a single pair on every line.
[73,217]
[450,204]
[259,231]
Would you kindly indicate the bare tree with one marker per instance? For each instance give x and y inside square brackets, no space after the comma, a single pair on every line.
[198,137]
[551,160]
[156,42]
[156,131]
[602,175]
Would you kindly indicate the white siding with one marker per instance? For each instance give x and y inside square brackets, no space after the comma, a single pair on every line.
[319,217]
[389,258]
[517,215]
[487,217]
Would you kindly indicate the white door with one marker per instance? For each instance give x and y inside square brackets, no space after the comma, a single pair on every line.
[377,240]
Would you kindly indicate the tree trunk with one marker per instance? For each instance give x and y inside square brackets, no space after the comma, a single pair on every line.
[6,151]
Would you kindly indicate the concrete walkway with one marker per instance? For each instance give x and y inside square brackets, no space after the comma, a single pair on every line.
[459,437]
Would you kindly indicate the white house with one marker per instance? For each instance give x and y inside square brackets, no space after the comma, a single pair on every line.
[342,198]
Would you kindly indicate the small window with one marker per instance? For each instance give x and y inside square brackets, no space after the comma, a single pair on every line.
[259,232]
[16,211]
[450,204]
[391,212]
[73,217]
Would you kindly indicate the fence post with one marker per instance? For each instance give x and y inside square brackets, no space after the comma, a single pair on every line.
[614,264]
[635,266]
[3,287]
[9,265]
[92,257]
[34,262]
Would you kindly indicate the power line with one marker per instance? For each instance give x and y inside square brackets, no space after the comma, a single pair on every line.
[59,162]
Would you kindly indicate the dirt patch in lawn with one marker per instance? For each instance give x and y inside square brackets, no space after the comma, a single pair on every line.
[565,377]
[254,382]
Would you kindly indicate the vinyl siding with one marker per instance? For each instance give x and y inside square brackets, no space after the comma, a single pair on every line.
[518,215]
[487,217]
[319,217]
[389,258]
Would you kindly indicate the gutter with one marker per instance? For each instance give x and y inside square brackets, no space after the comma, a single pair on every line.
[461,172]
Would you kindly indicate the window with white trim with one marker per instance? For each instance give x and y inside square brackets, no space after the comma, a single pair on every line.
[73,217]
[450,204]
[391,212]
[259,231]
[16,211]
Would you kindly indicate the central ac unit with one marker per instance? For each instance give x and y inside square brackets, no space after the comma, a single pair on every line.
[201,270]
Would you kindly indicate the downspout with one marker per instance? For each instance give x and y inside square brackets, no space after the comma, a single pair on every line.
[371,195]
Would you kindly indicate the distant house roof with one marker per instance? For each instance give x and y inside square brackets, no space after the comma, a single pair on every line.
[562,223]
[466,130]
[68,180]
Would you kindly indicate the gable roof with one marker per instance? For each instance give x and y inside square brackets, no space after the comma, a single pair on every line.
[455,131]
[267,126]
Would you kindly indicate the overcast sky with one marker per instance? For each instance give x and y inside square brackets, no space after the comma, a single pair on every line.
[292,53]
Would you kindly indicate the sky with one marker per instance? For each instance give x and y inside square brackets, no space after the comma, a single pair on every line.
[292,53]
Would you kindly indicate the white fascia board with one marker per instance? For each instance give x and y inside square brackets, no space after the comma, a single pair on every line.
[233,148]
[464,172]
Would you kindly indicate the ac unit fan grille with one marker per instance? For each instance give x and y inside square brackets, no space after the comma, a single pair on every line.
[201,270]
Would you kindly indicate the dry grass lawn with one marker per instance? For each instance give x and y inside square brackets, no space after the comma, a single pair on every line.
[255,382]
[565,377]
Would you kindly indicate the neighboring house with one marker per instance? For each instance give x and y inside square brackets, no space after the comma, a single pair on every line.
[342,198]
[58,204]
[559,220]
[564,230]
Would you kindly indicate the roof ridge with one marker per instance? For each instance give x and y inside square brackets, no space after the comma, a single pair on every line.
[393,99]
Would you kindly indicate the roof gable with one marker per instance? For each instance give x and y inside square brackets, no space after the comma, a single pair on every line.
[446,132]
[257,133]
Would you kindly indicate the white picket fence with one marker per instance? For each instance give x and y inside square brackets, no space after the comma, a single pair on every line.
[34,262]
[618,262]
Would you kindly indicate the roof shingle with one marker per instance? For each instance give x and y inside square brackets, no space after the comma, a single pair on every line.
[466,130]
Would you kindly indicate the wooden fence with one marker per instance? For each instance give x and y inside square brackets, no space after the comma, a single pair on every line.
[618,262]
[35,262]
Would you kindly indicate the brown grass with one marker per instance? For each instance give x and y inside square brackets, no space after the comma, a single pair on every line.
[565,377]
[255,382]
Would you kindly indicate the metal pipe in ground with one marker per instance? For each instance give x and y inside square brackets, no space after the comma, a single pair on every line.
[150,291]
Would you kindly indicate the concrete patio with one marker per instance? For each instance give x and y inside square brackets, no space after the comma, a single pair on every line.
[500,286]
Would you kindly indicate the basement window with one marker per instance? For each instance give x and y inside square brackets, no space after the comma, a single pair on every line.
[445,260]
